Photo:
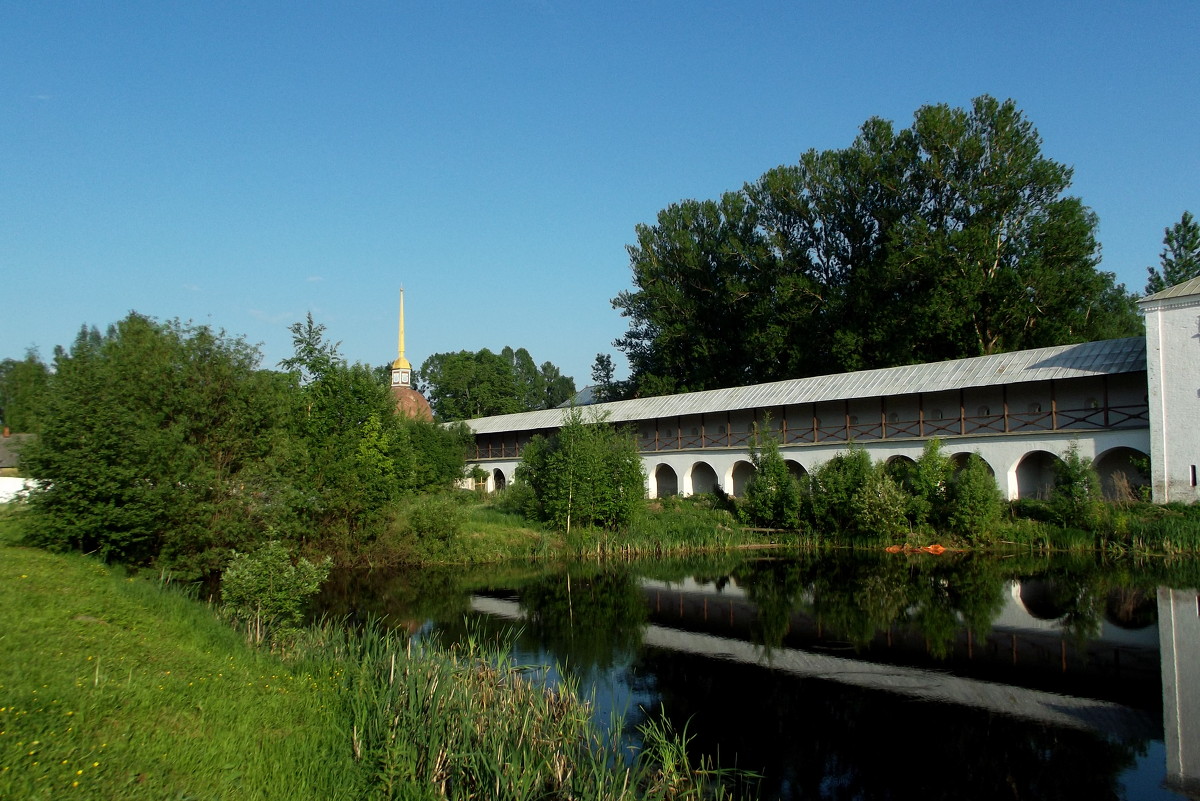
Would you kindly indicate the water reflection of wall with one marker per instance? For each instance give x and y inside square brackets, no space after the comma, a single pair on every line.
[1115,664]
[1179,641]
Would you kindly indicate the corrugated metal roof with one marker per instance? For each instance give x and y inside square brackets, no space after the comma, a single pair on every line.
[1107,357]
[1191,287]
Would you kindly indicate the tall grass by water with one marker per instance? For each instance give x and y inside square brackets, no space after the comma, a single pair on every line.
[112,687]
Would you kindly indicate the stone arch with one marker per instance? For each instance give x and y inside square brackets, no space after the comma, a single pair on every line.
[796,470]
[1120,473]
[899,466]
[666,481]
[499,482]
[704,479]
[739,476]
[1035,474]
[959,460]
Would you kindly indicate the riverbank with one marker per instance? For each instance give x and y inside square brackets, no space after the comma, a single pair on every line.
[114,687]
[487,531]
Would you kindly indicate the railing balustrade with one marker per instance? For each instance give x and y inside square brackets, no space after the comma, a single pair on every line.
[814,431]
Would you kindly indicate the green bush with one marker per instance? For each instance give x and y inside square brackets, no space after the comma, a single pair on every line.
[831,489]
[1077,499]
[973,502]
[268,590]
[878,507]
[588,474]
[435,523]
[517,498]
[928,485]
[772,495]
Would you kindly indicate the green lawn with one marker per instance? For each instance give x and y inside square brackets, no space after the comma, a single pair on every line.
[111,688]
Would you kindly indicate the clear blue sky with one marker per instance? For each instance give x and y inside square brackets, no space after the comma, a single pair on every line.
[242,164]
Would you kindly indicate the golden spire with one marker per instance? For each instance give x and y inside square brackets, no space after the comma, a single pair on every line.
[401,363]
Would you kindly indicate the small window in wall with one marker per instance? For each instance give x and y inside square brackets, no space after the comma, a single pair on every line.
[984,411]
[1035,407]
[1093,403]
[721,429]
[854,419]
[936,414]
[1193,475]
[695,432]
[893,418]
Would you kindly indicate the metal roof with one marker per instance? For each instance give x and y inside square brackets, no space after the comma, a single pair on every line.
[1191,287]
[1107,357]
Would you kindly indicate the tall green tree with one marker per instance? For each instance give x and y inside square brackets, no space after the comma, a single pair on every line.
[588,474]
[22,390]
[1180,257]
[157,445]
[772,494]
[951,238]
[465,385]
[352,457]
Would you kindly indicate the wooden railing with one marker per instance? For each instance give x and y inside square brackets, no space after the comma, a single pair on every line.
[847,429]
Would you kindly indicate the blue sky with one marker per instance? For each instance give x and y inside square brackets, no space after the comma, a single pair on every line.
[242,164]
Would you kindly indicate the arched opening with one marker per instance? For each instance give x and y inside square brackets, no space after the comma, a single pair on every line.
[959,460]
[499,482]
[899,467]
[666,482]
[796,470]
[742,473]
[1035,474]
[704,479]
[1122,473]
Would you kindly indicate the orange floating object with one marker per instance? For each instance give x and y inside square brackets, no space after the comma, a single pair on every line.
[935,549]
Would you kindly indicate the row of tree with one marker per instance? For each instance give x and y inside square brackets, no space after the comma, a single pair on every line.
[167,444]
[464,385]
[951,238]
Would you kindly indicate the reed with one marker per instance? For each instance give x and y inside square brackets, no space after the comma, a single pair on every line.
[463,721]
[113,687]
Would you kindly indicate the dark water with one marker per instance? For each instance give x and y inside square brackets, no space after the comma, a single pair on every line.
[862,676]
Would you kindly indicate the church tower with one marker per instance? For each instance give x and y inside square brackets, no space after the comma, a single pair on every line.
[409,402]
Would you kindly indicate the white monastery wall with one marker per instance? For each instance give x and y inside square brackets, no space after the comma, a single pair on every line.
[1173,379]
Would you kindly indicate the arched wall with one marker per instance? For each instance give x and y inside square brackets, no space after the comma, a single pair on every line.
[1034,474]
[1001,452]
[666,481]
[701,480]
[1122,472]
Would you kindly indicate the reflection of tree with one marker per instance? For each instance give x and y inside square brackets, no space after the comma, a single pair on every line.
[589,616]
[818,739]
[400,598]
[776,588]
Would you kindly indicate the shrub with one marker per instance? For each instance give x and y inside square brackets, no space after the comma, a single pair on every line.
[1077,500]
[772,496]
[928,484]
[268,590]
[831,488]
[435,523]
[588,474]
[973,502]
[879,505]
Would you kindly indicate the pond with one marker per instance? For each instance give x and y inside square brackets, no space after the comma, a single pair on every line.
[860,675]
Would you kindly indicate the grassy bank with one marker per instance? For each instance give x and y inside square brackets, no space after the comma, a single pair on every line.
[113,688]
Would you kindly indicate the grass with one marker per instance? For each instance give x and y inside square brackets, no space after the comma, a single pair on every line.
[112,687]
